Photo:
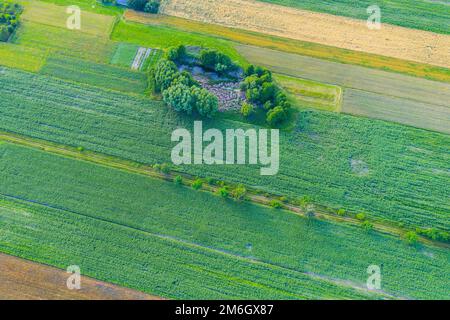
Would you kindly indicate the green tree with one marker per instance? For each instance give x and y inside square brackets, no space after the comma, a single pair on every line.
[138,5]
[178,180]
[411,237]
[152,6]
[247,109]
[197,184]
[164,73]
[205,102]
[239,193]
[276,116]
[223,192]
[179,97]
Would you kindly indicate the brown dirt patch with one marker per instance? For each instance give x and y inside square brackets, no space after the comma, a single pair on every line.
[27,280]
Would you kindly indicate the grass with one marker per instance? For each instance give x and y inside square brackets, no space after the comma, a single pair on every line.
[124,54]
[17,56]
[100,75]
[165,37]
[64,42]
[298,47]
[56,16]
[417,14]
[409,112]
[312,94]
[190,235]
[88,5]
[405,169]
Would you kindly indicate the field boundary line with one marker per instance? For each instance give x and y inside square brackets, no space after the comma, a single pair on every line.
[108,161]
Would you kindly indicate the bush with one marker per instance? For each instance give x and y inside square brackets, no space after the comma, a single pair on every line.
[178,180]
[239,193]
[276,116]
[165,168]
[138,5]
[276,204]
[223,192]
[216,61]
[411,237]
[197,184]
[341,212]
[361,216]
[367,226]
[177,54]
[152,6]
[164,73]
[247,109]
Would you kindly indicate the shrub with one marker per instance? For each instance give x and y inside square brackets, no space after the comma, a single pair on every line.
[178,180]
[223,192]
[411,237]
[165,168]
[276,204]
[239,193]
[197,184]
[276,116]
[138,5]
[341,212]
[361,216]
[177,54]
[367,226]
[152,6]
[247,109]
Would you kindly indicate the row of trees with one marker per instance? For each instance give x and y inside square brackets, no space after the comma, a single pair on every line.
[260,90]
[150,6]
[9,19]
[181,92]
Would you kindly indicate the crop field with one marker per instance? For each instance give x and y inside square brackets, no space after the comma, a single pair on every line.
[50,283]
[101,75]
[312,94]
[431,95]
[94,24]
[294,46]
[391,41]
[124,54]
[418,14]
[64,42]
[409,112]
[191,232]
[16,56]
[316,158]
[160,37]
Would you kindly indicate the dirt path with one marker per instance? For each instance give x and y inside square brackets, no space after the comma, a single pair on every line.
[26,280]
[341,32]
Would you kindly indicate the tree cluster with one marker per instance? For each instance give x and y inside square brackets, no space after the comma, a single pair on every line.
[150,6]
[216,61]
[262,91]
[181,92]
[9,19]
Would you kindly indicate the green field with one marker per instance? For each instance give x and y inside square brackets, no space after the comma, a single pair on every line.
[409,112]
[88,5]
[124,54]
[101,75]
[75,193]
[64,42]
[405,179]
[311,94]
[16,56]
[166,37]
[417,14]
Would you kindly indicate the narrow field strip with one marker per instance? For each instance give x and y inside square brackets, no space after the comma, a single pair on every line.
[239,229]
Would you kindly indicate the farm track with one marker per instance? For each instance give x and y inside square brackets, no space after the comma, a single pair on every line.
[346,33]
[24,279]
[133,167]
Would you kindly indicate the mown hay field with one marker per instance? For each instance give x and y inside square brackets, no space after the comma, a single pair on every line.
[164,238]
[418,14]
[294,46]
[307,93]
[391,41]
[21,57]
[405,177]
[101,75]
[409,112]
[22,279]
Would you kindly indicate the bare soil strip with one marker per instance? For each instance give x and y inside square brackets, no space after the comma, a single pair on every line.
[26,280]
[336,31]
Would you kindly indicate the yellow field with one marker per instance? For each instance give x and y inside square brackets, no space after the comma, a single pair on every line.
[341,32]
[295,46]
[20,57]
